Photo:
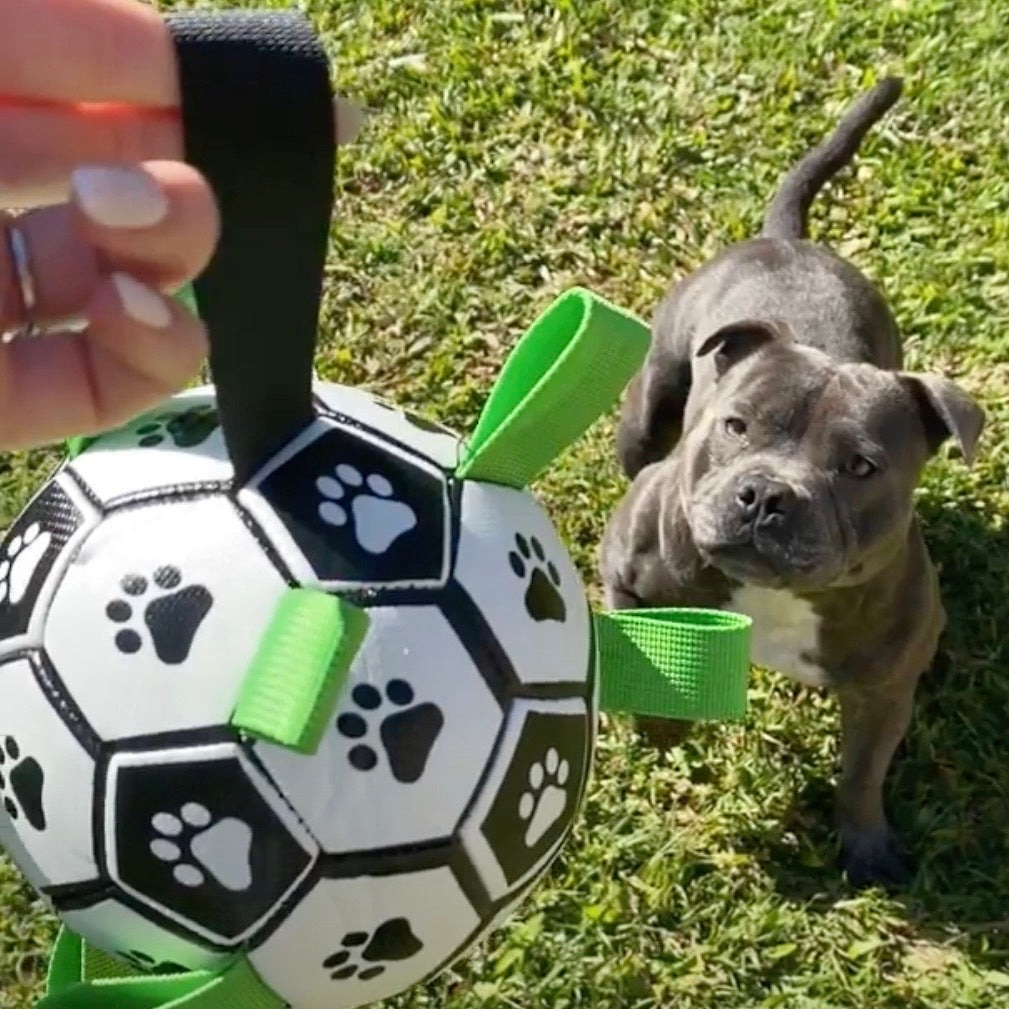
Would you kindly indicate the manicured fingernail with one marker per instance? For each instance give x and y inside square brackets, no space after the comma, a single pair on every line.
[142,304]
[119,197]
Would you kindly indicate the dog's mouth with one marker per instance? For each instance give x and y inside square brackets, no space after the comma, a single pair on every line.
[761,561]
[744,563]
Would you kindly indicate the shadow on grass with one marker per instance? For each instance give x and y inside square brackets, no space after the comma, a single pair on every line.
[948,790]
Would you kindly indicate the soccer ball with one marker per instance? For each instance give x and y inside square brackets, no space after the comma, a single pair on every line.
[134,591]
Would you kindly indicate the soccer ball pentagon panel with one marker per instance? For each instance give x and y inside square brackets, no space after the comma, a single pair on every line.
[135,589]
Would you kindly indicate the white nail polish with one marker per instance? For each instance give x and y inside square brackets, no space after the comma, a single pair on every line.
[119,197]
[142,304]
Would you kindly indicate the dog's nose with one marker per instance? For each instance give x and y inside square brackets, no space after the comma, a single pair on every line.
[764,501]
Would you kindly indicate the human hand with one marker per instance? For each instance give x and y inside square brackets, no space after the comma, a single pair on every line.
[91,142]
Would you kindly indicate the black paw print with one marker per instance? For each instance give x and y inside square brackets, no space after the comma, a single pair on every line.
[407,736]
[543,601]
[22,782]
[187,429]
[149,965]
[392,941]
[172,618]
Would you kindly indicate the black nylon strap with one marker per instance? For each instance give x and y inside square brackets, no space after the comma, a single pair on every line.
[258,123]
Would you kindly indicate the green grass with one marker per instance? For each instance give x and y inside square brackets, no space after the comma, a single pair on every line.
[521,147]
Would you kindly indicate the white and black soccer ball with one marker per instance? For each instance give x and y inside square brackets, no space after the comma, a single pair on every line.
[134,589]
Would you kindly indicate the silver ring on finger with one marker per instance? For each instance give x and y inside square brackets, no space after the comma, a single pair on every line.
[21,258]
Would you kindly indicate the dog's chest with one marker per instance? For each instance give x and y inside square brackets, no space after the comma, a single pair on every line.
[786,632]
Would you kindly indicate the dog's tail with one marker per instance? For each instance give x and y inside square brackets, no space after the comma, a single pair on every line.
[787,215]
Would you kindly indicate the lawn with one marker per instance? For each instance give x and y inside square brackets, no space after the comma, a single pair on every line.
[521,147]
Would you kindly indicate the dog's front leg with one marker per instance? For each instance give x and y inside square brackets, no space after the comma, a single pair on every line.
[873,722]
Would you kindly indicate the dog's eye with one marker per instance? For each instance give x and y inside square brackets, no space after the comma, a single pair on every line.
[859,466]
[735,426]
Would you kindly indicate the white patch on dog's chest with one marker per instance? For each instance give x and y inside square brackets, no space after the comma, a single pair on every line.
[785,634]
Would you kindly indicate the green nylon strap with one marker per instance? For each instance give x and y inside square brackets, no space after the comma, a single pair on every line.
[685,664]
[80,978]
[186,296]
[563,374]
[292,684]
[74,446]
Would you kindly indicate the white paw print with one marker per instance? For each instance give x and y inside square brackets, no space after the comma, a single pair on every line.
[196,847]
[379,519]
[543,804]
[23,555]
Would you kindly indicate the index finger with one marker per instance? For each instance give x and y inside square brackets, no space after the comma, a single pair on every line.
[87,51]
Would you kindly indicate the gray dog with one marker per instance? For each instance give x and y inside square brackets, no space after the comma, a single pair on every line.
[774,445]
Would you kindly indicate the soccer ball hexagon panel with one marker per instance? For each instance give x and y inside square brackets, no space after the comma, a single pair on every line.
[203,837]
[534,788]
[347,510]
[180,444]
[382,934]
[513,565]
[415,726]
[46,778]
[159,615]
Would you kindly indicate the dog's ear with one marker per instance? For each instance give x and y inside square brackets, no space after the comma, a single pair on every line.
[946,411]
[738,340]
[651,421]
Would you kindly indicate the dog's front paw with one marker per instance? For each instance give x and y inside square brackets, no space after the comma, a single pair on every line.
[874,859]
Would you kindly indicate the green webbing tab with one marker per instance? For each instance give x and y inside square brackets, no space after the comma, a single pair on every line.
[74,446]
[186,295]
[565,372]
[70,986]
[292,684]
[99,965]
[685,664]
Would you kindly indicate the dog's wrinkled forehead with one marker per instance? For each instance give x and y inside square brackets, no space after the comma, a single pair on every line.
[793,395]
[781,386]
